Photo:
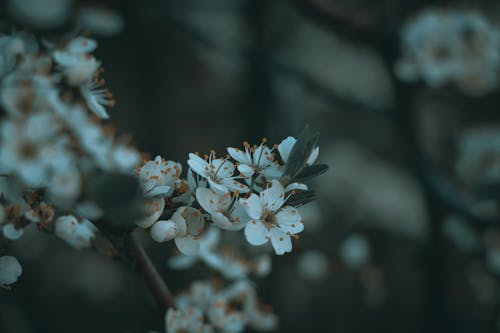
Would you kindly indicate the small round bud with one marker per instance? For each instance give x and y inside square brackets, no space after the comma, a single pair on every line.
[163,231]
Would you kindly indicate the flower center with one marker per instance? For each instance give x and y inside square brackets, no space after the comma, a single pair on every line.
[269,220]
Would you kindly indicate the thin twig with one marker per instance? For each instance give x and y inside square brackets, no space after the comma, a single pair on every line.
[155,282]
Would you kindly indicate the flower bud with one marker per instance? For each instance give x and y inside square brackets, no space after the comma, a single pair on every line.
[163,231]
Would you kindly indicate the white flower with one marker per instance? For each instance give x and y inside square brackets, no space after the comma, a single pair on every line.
[186,188]
[158,176]
[10,270]
[255,160]
[442,46]
[189,320]
[125,158]
[14,48]
[28,145]
[286,146]
[78,66]
[23,93]
[185,227]
[218,172]
[226,212]
[77,234]
[271,221]
[91,136]
[227,310]
[65,184]
[97,97]
[228,263]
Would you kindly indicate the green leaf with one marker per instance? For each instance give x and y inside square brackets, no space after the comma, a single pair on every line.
[310,172]
[300,197]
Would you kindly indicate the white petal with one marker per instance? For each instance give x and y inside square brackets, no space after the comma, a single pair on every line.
[314,155]
[65,59]
[81,45]
[212,202]
[194,220]
[285,147]
[223,222]
[198,165]
[154,208]
[296,186]
[181,262]
[188,245]
[235,186]
[281,241]
[159,190]
[253,206]
[239,155]
[219,188]
[273,197]
[180,221]
[256,232]
[272,171]
[245,170]
[289,220]
[223,168]
[262,156]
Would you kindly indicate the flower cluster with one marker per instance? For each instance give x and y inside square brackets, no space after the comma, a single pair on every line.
[52,143]
[239,191]
[62,170]
[443,46]
[230,309]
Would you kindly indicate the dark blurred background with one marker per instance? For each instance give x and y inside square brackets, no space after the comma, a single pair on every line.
[397,241]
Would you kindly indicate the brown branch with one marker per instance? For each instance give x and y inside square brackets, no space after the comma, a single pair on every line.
[155,282]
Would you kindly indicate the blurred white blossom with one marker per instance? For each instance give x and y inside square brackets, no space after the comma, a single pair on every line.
[443,46]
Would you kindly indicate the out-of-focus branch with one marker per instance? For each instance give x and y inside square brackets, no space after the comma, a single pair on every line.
[155,282]
[360,26]
[276,66]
